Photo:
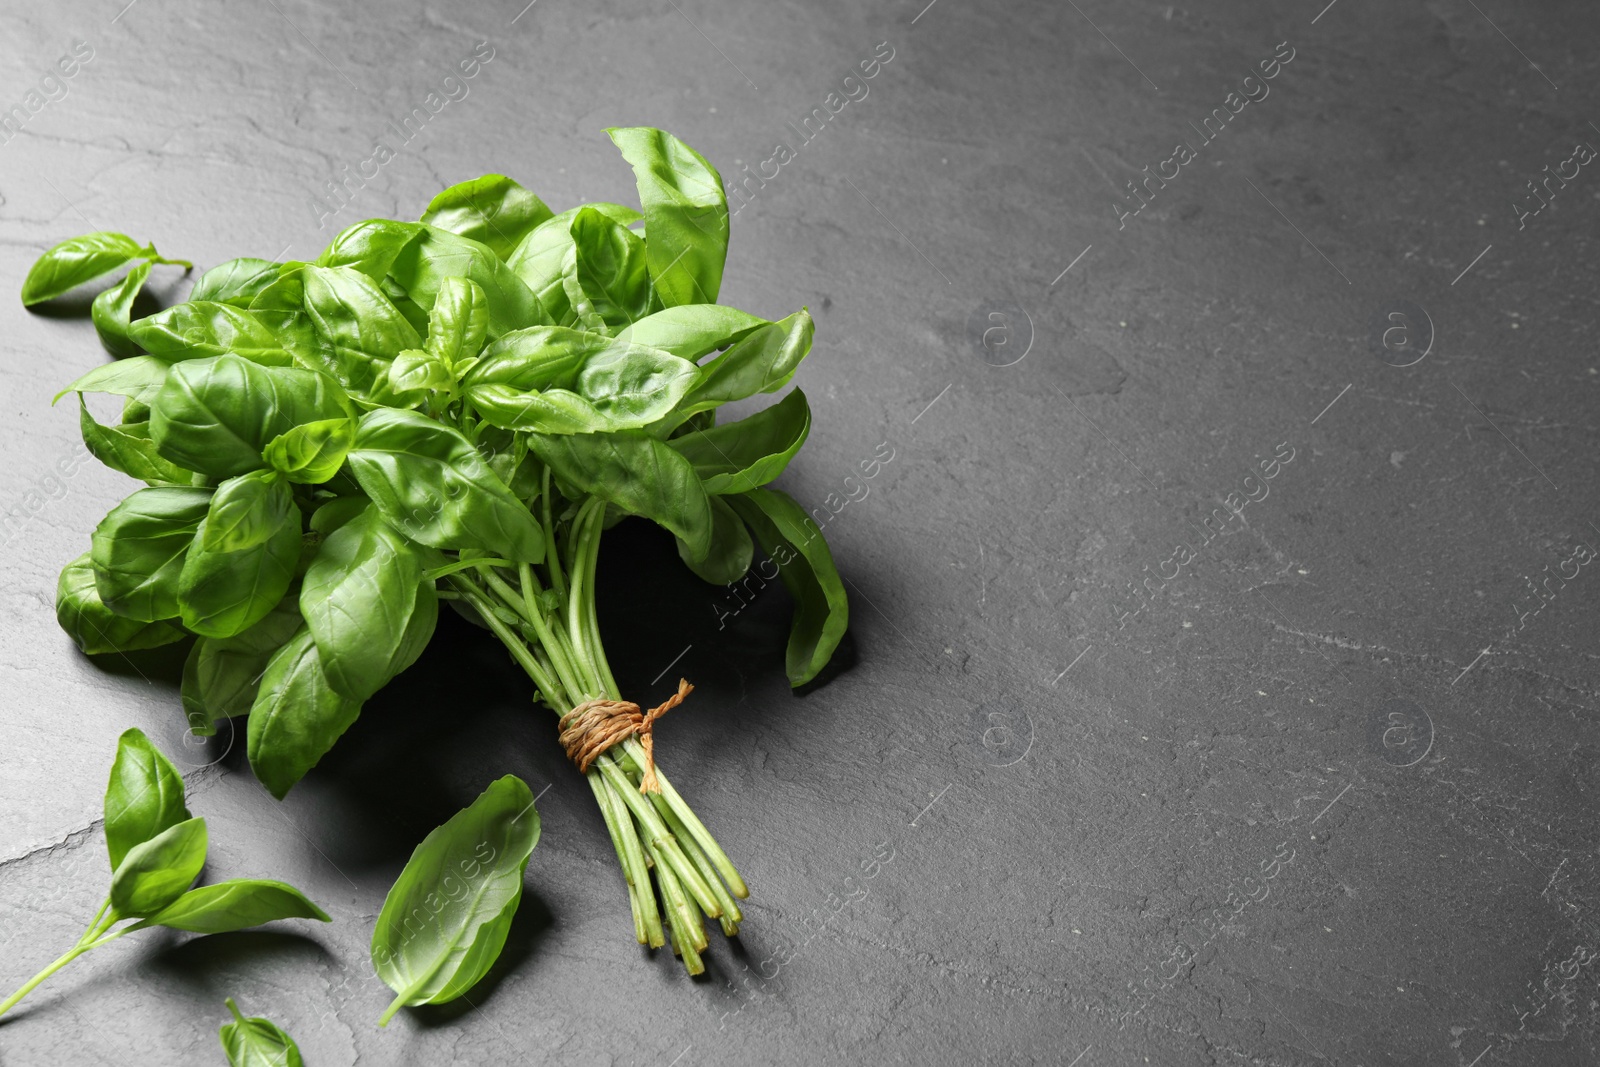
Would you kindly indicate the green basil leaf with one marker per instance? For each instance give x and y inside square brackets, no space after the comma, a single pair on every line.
[370,246]
[432,485]
[138,378]
[415,373]
[358,597]
[539,260]
[731,551]
[445,920]
[738,456]
[245,512]
[236,904]
[762,362]
[604,274]
[222,593]
[113,307]
[95,628]
[78,260]
[198,329]
[236,282]
[216,415]
[257,1042]
[296,717]
[365,330]
[459,323]
[139,547]
[492,210]
[128,449]
[637,473]
[436,254]
[144,797]
[691,330]
[312,452]
[281,307]
[221,675]
[685,214]
[795,544]
[156,872]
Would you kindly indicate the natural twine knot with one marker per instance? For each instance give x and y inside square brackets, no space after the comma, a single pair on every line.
[595,725]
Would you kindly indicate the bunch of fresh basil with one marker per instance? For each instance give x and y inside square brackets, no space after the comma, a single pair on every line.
[453,408]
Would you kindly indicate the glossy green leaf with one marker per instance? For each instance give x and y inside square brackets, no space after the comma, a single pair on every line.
[459,323]
[138,550]
[245,512]
[436,254]
[692,330]
[217,415]
[685,214]
[539,260]
[198,329]
[637,473]
[604,273]
[445,920]
[128,449]
[95,628]
[762,362]
[156,872]
[296,717]
[144,797]
[737,456]
[236,282]
[236,904]
[731,551]
[224,593]
[137,378]
[493,210]
[113,308]
[312,452]
[78,260]
[257,1042]
[365,330]
[281,307]
[221,675]
[414,374]
[369,246]
[794,543]
[432,485]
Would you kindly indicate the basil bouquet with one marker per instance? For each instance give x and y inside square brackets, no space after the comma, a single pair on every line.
[450,409]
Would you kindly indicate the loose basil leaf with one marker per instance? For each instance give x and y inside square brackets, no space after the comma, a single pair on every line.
[216,415]
[223,593]
[78,260]
[113,307]
[370,246]
[685,214]
[93,627]
[358,597]
[366,331]
[236,904]
[138,378]
[156,872]
[257,1042]
[604,274]
[198,329]
[738,456]
[493,210]
[793,542]
[692,330]
[731,549]
[236,282]
[128,449]
[144,797]
[415,373]
[281,307]
[763,362]
[459,323]
[221,675]
[445,920]
[436,254]
[313,452]
[296,716]
[139,547]
[637,473]
[433,486]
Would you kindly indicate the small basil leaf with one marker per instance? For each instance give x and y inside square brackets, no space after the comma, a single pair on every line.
[433,486]
[113,307]
[692,330]
[198,329]
[221,675]
[245,512]
[296,717]
[540,258]
[312,452]
[236,282]
[138,378]
[370,246]
[436,254]
[685,214]
[236,904]
[762,362]
[731,549]
[144,797]
[604,274]
[795,544]
[138,550]
[415,373]
[128,449]
[78,260]
[222,593]
[281,307]
[365,330]
[257,1042]
[156,872]
[493,210]
[445,920]
[459,323]
[93,627]
[637,473]
[751,452]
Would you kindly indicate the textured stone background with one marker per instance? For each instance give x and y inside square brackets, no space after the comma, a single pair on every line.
[1069,796]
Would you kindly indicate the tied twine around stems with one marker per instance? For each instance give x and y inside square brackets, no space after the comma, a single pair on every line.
[592,727]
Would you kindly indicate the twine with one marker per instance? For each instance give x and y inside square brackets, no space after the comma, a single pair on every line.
[594,726]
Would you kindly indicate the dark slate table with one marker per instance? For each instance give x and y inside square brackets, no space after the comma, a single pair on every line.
[1222,681]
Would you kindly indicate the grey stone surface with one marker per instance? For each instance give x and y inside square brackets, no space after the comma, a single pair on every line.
[1071,787]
